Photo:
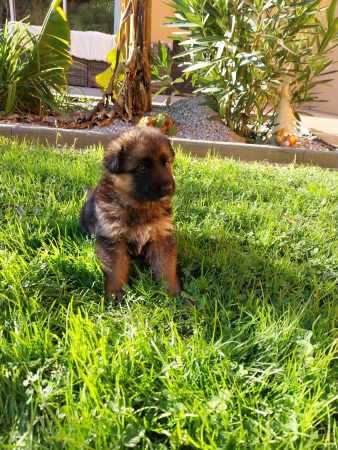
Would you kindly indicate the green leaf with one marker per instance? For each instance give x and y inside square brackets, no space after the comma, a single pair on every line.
[200,65]
[190,52]
[10,98]
[212,10]
[182,25]
[178,80]
[103,78]
[111,57]
[54,38]
[331,11]
[163,53]
[329,36]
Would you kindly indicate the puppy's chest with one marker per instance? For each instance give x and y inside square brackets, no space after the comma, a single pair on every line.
[136,229]
[138,236]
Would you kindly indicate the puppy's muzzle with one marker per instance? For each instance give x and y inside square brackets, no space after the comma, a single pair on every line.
[166,189]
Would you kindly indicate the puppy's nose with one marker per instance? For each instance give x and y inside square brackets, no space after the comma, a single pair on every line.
[166,188]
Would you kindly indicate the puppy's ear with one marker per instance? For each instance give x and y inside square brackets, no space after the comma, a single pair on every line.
[113,163]
[113,157]
[171,149]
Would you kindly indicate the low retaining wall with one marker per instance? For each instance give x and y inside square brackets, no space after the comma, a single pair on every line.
[243,152]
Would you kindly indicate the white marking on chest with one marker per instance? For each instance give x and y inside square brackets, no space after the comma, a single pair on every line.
[136,234]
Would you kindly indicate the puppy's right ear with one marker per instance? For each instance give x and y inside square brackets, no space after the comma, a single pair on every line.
[171,149]
[113,157]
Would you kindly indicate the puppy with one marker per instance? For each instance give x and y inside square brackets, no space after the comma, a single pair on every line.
[130,211]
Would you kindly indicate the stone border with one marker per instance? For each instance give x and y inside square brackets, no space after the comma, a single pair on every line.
[238,151]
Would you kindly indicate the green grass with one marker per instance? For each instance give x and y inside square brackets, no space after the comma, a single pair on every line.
[254,366]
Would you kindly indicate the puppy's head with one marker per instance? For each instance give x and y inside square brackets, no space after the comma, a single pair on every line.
[140,161]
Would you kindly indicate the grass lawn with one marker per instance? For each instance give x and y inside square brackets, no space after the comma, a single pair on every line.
[254,366]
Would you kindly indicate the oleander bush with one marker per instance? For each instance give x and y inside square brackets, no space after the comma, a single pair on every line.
[238,52]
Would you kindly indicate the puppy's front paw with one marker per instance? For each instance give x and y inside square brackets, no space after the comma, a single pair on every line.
[115,298]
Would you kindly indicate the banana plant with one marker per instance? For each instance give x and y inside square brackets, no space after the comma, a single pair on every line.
[127,83]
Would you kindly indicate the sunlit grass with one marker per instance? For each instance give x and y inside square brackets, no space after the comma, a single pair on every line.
[253,367]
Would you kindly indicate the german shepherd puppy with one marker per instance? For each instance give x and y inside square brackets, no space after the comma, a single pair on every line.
[130,211]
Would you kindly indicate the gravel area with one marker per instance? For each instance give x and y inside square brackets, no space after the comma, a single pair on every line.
[115,127]
[192,120]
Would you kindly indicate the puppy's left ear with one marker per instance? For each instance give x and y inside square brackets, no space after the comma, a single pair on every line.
[113,157]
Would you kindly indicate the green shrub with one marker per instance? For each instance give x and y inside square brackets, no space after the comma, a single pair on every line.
[4,11]
[36,10]
[162,65]
[32,68]
[96,15]
[240,51]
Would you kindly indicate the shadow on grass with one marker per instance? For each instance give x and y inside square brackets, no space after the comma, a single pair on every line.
[226,268]
[234,271]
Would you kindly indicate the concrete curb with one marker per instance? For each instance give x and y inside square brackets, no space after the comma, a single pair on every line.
[238,151]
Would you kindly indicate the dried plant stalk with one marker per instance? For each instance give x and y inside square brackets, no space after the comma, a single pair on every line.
[146,55]
[134,97]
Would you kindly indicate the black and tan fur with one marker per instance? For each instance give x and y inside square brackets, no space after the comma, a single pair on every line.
[129,212]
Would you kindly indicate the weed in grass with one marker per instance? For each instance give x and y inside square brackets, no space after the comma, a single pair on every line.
[254,366]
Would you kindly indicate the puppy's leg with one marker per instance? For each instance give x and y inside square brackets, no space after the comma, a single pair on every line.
[115,261]
[161,256]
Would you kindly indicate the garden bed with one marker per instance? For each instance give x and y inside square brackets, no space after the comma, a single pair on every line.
[196,131]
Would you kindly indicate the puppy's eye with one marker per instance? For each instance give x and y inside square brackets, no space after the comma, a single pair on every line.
[142,168]
[167,163]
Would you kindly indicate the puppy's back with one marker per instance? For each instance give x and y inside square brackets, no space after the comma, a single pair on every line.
[88,219]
